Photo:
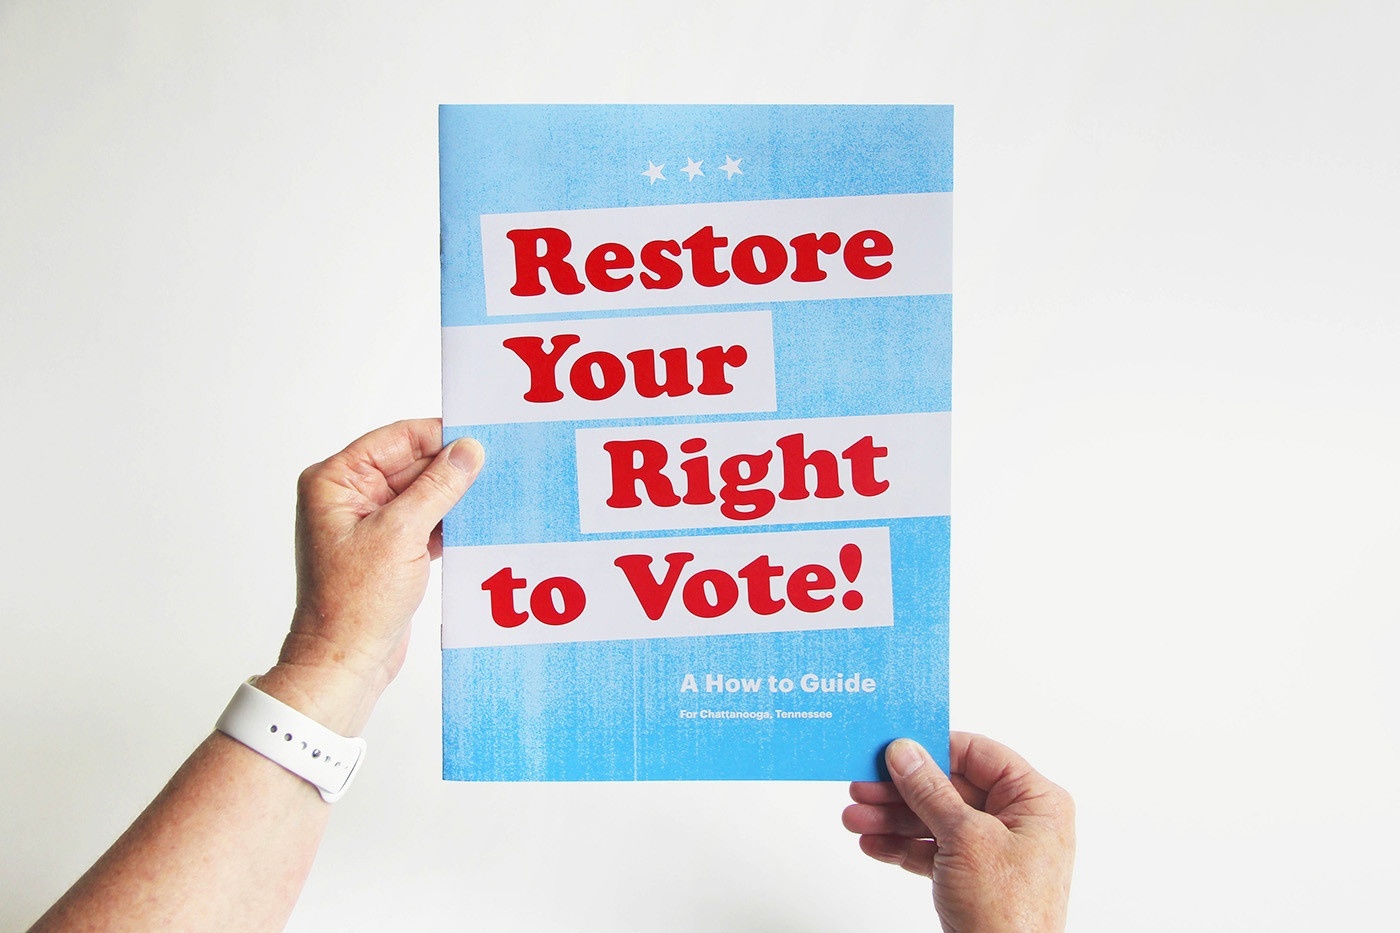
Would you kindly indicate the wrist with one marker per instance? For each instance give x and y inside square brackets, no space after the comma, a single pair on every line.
[336,697]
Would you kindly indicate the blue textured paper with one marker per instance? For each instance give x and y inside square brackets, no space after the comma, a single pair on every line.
[611,710]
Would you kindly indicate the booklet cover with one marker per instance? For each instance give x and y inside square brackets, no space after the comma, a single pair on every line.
[708,352]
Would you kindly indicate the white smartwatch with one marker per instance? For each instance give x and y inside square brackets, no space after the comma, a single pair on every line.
[296,742]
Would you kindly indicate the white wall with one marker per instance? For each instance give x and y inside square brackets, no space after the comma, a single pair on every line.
[1176,450]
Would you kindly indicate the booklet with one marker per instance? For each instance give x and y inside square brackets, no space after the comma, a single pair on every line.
[707,350]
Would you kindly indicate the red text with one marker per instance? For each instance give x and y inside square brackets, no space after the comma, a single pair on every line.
[704,257]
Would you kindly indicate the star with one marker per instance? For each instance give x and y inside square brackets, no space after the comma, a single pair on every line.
[731,167]
[692,168]
[654,171]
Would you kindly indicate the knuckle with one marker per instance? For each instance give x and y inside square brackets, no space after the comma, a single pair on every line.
[313,480]
[436,484]
[308,477]
[922,797]
[1055,800]
[1065,811]
[927,798]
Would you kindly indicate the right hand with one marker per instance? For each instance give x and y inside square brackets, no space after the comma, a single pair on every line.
[996,837]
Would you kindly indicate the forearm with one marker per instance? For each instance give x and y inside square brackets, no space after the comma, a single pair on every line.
[230,840]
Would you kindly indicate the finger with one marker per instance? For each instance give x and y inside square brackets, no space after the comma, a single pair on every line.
[404,478]
[983,761]
[913,855]
[883,792]
[876,792]
[973,795]
[394,447]
[420,507]
[893,820]
[925,788]
[1012,787]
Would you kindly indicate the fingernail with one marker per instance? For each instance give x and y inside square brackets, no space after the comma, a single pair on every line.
[466,455]
[905,756]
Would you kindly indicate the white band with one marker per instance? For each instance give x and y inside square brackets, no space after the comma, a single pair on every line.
[296,742]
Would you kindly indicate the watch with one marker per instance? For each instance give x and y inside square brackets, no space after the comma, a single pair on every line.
[296,742]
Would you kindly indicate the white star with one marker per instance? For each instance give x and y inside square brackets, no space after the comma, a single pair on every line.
[692,168]
[731,167]
[654,171]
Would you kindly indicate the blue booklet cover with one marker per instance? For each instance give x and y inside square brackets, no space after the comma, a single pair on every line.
[707,349]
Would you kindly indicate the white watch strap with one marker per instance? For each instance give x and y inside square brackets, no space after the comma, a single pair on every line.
[296,742]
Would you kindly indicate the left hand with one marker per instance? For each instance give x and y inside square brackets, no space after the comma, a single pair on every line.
[368,527]
[233,835]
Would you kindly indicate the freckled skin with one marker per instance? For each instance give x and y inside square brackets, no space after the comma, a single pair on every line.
[996,837]
[366,534]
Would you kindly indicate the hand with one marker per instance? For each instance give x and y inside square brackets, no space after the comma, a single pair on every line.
[996,838]
[368,527]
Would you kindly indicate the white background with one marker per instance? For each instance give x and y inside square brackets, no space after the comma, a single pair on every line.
[1175,461]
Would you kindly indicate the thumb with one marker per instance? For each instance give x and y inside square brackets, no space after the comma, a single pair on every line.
[925,788]
[432,495]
